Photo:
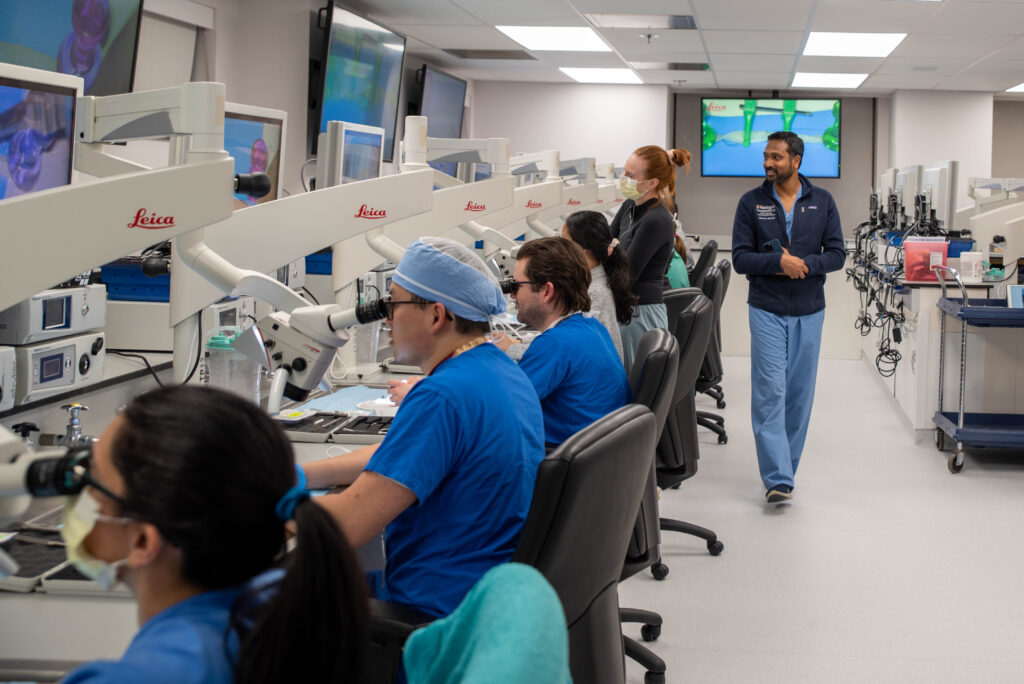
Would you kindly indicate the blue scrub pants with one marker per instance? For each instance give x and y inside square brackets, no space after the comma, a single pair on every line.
[645,317]
[783,368]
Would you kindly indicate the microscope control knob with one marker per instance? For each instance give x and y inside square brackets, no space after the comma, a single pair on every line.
[84,364]
[299,364]
[277,356]
[97,346]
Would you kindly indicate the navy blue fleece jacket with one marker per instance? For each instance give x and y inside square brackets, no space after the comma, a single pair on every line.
[817,239]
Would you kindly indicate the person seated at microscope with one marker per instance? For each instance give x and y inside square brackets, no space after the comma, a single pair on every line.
[185,500]
[453,479]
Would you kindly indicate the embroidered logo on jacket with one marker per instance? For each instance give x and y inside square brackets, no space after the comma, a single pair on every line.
[765,212]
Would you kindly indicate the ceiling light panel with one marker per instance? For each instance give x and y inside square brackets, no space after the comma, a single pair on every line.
[1016,89]
[805,79]
[601,75]
[559,38]
[826,44]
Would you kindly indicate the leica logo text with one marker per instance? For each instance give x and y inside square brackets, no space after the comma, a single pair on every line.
[367,213]
[573,203]
[151,221]
[530,204]
[473,206]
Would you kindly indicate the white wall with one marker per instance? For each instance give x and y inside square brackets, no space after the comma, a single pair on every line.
[930,126]
[603,121]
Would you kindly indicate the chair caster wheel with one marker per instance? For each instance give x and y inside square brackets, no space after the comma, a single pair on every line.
[720,404]
[650,632]
[660,571]
[715,547]
[654,678]
[723,439]
[955,462]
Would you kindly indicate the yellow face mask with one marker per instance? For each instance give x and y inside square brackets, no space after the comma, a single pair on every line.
[81,512]
[627,186]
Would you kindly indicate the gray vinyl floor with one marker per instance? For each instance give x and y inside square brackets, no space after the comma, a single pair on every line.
[885,568]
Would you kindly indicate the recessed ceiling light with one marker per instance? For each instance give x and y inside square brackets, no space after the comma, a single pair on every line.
[821,44]
[804,79]
[658,21]
[561,38]
[1016,89]
[581,75]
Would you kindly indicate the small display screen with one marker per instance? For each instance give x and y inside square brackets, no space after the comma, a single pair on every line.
[95,40]
[255,144]
[228,317]
[37,124]
[361,153]
[51,368]
[442,101]
[55,313]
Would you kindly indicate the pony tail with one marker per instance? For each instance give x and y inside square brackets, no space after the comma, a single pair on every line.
[616,266]
[316,628]
[680,157]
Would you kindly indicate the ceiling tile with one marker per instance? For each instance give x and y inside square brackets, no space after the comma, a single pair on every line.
[466,37]
[967,47]
[474,74]
[727,62]
[1012,50]
[997,66]
[991,82]
[390,12]
[754,42]
[923,65]
[581,59]
[631,40]
[881,16]
[522,12]
[533,75]
[678,78]
[752,79]
[839,65]
[755,15]
[901,82]
[978,18]
[685,57]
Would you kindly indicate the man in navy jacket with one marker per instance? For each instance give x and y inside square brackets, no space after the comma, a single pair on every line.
[785,237]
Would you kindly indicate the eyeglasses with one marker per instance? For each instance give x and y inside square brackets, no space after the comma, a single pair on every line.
[511,286]
[390,304]
[77,475]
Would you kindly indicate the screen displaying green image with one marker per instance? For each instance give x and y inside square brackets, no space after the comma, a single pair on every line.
[734,133]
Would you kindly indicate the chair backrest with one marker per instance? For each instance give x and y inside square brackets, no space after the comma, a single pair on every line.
[711,371]
[652,380]
[725,266]
[678,448]
[708,254]
[579,525]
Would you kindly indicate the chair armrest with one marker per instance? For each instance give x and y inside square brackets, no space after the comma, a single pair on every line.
[395,620]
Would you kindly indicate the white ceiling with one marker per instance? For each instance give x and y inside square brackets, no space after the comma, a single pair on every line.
[750,44]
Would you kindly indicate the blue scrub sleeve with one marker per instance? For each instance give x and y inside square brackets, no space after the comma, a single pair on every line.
[747,258]
[833,249]
[420,447]
[545,365]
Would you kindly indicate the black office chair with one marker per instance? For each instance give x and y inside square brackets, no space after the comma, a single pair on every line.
[711,371]
[716,392]
[652,380]
[708,254]
[692,315]
[576,533]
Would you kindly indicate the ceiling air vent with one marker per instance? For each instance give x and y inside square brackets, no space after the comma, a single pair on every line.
[654,21]
[489,54]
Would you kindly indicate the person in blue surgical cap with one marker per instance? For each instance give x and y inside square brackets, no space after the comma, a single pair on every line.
[453,479]
[186,499]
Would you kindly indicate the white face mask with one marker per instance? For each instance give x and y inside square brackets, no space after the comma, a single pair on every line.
[81,513]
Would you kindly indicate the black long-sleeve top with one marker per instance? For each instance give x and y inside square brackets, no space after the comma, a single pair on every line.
[645,231]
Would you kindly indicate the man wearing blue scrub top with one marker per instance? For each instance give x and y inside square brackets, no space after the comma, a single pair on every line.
[786,236]
[453,479]
[573,363]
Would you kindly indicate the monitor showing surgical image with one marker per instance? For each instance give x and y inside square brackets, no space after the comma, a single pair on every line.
[361,156]
[734,133]
[37,124]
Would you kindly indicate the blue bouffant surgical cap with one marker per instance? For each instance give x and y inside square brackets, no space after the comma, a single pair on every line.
[443,270]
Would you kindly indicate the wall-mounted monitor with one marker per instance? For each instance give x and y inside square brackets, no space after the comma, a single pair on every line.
[734,133]
[362,74]
[254,137]
[442,103]
[37,129]
[94,39]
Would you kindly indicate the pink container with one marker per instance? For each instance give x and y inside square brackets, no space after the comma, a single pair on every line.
[919,255]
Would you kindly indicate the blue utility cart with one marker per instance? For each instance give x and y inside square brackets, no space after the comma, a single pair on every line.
[999,430]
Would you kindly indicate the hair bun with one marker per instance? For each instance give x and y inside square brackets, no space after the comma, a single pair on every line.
[680,157]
